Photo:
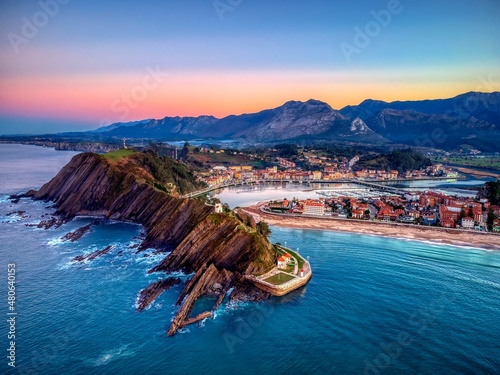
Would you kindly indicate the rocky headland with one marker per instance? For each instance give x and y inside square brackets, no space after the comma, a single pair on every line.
[218,248]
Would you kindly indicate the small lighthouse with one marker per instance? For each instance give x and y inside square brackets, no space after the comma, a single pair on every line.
[124,143]
[301,272]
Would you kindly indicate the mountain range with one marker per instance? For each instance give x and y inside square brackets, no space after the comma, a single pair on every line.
[471,119]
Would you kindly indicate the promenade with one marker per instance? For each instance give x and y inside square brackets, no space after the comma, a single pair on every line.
[438,235]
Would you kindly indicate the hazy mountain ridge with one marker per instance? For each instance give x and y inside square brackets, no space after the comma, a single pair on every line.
[472,118]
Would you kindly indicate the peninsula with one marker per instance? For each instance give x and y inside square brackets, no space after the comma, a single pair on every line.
[225,250]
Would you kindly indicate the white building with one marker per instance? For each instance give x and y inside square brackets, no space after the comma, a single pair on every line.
[468,222]
[412,197]
[314,208]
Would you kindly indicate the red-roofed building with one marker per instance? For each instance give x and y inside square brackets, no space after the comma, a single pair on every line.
[282,262]
[449,213]
[448,223]
[358,214]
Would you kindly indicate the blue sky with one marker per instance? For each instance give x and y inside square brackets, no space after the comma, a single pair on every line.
[254,55]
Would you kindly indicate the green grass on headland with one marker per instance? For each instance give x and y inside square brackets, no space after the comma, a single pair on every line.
[118,154]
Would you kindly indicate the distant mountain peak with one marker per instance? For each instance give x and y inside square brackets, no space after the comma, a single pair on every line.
[440,123]
[359,126]
[310,103]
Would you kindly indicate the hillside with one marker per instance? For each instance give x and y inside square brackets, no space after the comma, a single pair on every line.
[218,247]
[161,172]
[402,161]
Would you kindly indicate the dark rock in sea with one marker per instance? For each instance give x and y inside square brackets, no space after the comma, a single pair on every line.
[153,291]
[18,213]
[199,285]
[53,221]
[246,291]
[93,255]
[77,234]
[79,258]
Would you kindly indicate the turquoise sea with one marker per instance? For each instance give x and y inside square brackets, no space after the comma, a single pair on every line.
[374,305]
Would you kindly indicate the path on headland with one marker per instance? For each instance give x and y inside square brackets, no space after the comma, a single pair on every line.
[296,269]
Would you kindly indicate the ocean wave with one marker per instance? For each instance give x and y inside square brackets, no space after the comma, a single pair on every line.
[179,274]
[4,198]
[202,322]
[236,305]
[65,266]
[150,258]
[112,355]
[56,242]
[10,220]
[136,303]
[440,244]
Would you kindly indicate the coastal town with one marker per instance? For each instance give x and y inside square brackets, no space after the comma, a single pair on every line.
[369,199]
[320,169]
[427,208]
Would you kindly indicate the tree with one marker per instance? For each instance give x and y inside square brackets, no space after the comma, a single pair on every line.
[263,229]
[490,219]
[286,150]
[184,153]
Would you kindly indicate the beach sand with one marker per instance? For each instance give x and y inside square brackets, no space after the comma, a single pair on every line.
[421,233]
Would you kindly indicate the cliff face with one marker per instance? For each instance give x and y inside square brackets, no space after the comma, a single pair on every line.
[199,239]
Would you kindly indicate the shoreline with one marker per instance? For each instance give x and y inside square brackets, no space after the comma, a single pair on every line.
[474,171]
[418,233]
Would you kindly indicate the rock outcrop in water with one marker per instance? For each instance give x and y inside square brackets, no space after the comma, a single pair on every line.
[77,234]
[93,255]
[149,294]
[218,248]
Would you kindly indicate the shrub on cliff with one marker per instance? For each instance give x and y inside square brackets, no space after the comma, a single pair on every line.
[169,171]
[263,229]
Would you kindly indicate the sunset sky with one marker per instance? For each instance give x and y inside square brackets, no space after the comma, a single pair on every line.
[76,65]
